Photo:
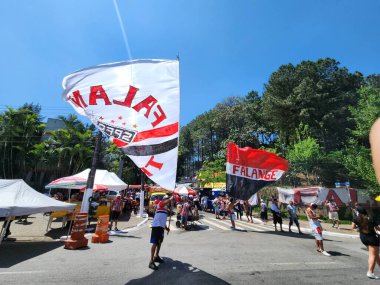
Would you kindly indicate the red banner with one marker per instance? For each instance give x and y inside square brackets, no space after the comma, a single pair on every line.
[248,170]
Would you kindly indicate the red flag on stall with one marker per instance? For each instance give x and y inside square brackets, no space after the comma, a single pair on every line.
[248,170]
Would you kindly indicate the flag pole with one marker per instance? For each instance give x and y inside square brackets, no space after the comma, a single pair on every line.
[142,195]
[91,176]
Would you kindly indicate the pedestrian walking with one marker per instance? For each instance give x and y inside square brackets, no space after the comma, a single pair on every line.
[185,212]
[239,210]
[293,217]
[333,213]
[316,228]
[204,203]
[248,211]
[276,213]
[223,208]
[216,205]
[367,228]
[116,207]
[231,211]
[158,228]
[263,211]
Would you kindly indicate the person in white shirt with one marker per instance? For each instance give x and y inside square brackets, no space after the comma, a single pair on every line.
[158,227]
[293,218]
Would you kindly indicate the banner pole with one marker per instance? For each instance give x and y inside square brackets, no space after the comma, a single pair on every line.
[91,176]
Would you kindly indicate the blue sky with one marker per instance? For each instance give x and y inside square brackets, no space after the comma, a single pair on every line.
[226,48]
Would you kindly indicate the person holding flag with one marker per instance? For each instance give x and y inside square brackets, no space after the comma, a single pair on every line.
[158,228]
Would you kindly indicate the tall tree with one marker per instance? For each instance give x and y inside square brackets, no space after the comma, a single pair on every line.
[20,130]
[358,156]
[317,94]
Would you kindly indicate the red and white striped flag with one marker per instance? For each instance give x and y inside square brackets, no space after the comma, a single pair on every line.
[136,104]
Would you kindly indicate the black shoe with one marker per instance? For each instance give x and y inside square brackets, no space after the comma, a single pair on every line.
[153,266]
[158,259]
[116,229]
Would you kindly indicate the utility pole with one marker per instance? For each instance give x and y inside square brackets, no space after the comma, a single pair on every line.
[91,176]
[121,164]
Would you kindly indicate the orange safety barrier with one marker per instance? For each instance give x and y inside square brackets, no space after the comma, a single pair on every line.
[101,231]
[77,238]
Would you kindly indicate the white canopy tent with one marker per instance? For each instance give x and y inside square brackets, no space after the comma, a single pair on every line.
[102,177]
[18,199]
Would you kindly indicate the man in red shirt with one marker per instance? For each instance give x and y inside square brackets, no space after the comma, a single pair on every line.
[116,207]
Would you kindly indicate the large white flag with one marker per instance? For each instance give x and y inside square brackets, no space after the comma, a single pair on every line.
[136,104]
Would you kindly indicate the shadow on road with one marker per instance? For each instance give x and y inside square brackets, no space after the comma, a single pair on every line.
[177,272]
[12,253]
[57,233]
[337,253]
[287,234]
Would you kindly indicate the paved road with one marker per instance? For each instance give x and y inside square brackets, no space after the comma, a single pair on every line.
[211,253]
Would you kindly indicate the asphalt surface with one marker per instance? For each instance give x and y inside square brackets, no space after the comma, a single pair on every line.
[209,253]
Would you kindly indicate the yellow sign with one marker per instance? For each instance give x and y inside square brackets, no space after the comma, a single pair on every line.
[377,198]
[221,185]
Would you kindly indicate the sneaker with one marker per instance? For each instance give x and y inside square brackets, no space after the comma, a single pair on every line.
[158,259]
[371,275]
[116,229]
[326,253]
[338,228]
[153,266]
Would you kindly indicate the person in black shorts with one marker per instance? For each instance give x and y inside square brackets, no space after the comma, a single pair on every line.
[368,236]
[276,213]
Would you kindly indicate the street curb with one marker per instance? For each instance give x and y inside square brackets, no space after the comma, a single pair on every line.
[143,222]
[324,232]
[112,233]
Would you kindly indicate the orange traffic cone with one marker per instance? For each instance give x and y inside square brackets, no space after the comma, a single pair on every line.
[101,233]
[77,238]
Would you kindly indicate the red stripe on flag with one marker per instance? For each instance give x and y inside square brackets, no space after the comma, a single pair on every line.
[255,158]
[150,134]
[157,133]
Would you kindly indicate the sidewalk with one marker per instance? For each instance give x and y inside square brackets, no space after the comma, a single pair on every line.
[35,229]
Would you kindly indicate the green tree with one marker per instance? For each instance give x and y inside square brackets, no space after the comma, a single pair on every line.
[317,94]
[20,130]
[358,159]
[212,171]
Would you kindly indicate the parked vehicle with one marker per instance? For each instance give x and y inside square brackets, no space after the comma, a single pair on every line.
[153,197]
[111,194]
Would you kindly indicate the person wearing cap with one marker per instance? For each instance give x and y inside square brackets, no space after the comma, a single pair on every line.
[116,207]
[158,228]
[316,228]
[367,228]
